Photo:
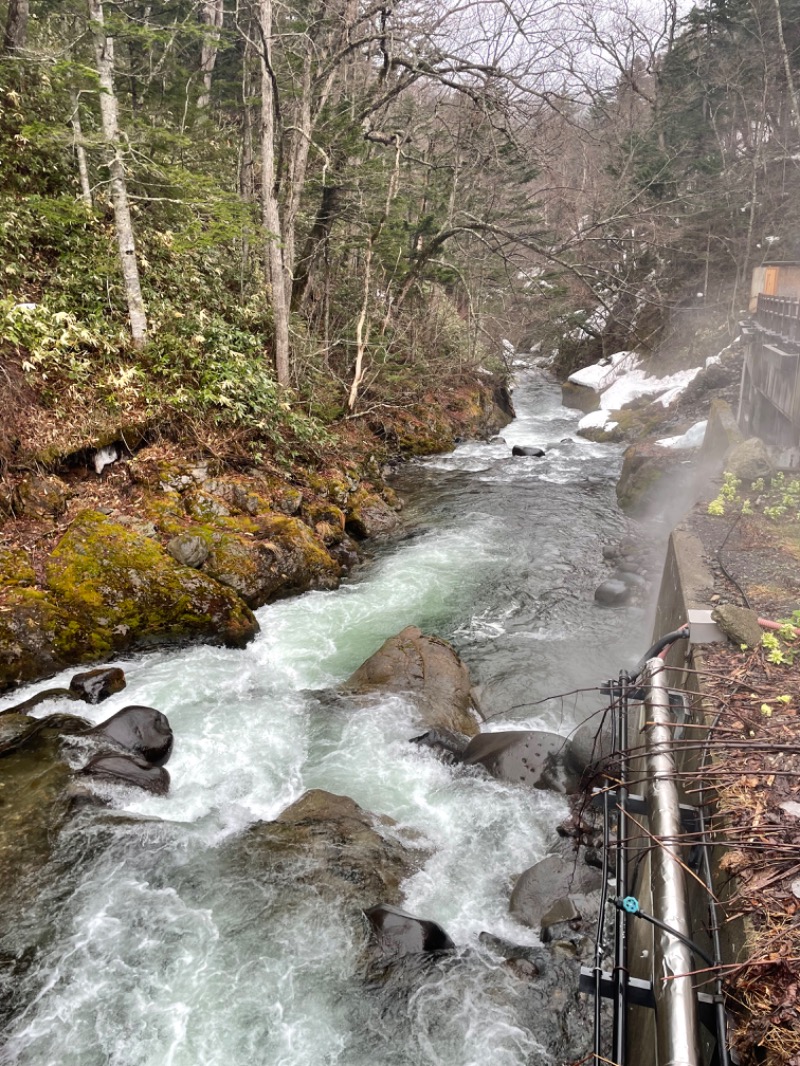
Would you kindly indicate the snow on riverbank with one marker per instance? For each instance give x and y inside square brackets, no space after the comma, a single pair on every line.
[620,380]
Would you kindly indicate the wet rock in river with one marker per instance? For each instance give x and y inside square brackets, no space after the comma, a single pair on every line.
[142,730]
[528,757]
[613,593]
[399,933]
[330,845]
[523,449]
[369,516]
[128,770]
[554,877]
[429,670]
[448,746]
[94,686]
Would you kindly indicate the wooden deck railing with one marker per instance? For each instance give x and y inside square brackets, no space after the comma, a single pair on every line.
[780,315]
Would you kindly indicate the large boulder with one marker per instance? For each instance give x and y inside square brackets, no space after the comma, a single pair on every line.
[121,589]
[143,731]
[278,556]
[524,757]
[646,469]
[327,841]
[749,460]
[552,880]
[369,516]
[429,670]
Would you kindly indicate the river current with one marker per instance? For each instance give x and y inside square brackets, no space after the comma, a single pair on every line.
[153,954]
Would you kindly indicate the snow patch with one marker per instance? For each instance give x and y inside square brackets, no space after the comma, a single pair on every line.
[692,438]
[601,375]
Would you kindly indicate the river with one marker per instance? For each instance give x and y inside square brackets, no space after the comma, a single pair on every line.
[153,954]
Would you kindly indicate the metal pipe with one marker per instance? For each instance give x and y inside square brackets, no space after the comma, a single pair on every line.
[620,925]
[676,1007]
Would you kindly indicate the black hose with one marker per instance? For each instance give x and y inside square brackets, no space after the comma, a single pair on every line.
[670,638]
[667,929]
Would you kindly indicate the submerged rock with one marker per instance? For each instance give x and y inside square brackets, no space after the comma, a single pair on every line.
[520,449]
[430,671]
[528,757]
[613,593]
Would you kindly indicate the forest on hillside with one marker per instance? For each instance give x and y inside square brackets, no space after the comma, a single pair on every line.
[275,216]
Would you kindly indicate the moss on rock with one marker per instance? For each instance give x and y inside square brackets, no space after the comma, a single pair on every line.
[126,591]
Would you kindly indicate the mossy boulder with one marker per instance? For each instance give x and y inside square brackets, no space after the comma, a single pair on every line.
[369,516]
[15,568]
[29,622]
[126,592]
[39,497]
[327,520]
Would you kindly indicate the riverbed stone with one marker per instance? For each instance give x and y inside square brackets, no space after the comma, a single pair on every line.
[330,843]
[529,450]
[94,686]
[399,933]
[555,877]
[128,770]
[613,593]
[530,757]
[429,670]
[144,731]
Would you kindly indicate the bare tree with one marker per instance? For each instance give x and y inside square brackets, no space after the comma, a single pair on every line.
[212,15]
[16,35]
[270,207]
[109,112]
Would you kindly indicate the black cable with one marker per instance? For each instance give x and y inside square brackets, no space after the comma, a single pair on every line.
[620,903]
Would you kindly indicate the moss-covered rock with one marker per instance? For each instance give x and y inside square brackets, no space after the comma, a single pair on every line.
[370,516]
[126,591]
[15,568]
[327,520]
[39,497]
[302,559]
[29,620]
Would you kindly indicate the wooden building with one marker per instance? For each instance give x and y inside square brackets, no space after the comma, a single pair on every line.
[769,399]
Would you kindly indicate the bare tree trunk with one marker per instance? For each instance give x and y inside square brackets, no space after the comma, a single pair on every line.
[80,151]
[109,112]
[787,66]
[362,325]
[269,200]
[213,15]
[16,35]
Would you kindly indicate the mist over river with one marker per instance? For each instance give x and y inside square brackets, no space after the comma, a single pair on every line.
[154,952]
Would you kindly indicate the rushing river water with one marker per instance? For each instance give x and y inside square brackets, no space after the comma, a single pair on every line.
[158,956]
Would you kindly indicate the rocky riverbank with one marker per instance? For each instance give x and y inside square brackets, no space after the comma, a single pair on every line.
[140,540]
